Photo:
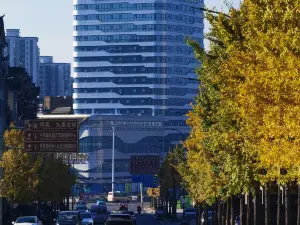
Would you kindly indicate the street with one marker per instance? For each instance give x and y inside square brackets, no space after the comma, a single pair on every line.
[146,218]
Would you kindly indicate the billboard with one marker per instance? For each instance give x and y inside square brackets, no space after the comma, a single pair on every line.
[148,164]
[51,136]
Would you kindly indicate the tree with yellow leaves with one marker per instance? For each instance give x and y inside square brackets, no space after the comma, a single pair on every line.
[20,179]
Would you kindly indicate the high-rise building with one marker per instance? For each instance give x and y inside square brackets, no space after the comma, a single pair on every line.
[23,52]
[54,78]
[131,57]
[3,80]
[131,60]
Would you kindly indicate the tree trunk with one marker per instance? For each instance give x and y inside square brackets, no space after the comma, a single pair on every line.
[278,204]
[286,205]
[215,218]
[267,219]
[231,211]
[223,213]
[219,213]
[248,209]
[227,212]
[241,210]
[255,209]
[298,206]
[205,215]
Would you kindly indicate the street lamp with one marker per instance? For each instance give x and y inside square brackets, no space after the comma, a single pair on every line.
[113,161]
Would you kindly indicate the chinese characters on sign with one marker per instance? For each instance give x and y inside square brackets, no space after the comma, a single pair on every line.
[145,164]
[51,136]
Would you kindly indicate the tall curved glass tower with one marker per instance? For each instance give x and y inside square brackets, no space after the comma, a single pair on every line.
[131,59]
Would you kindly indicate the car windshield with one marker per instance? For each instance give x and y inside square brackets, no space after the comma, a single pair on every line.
[86,215]
[101,203]
[67,217]
[27,219]
[81,207]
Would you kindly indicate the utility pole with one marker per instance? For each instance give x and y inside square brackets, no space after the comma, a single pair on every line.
[113,161]
[142,197]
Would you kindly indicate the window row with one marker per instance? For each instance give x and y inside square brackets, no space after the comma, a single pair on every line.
[136,70]
[179,39]
[121,17]
[125,6]
[139,91]
[138,59]
[134,101]
[135,48]
[134,112]
[130,27]
[138,80]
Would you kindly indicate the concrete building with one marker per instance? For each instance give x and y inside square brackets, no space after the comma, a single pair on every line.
[3,80]
[131,60]
[23,52]
[54,78]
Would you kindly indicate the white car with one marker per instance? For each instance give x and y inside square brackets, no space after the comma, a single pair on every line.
[28,220]
[87,218]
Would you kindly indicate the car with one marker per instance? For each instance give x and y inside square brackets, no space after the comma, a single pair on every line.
[118,221]
[87,218]
[68,218]
[189,213]
[100,202]
[81,208]
[81,202]
[99,214]
[28,220]
[118,197]
[132,214]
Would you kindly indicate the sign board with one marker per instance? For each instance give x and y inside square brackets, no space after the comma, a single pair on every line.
[73,157]
[147,164]
[51,136]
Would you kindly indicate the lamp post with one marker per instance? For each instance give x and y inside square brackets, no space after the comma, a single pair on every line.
[113,161]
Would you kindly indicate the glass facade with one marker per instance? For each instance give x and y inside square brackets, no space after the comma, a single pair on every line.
[131,60]
[129,53]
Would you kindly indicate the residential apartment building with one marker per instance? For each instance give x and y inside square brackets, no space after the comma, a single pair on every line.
[23,52]
[54,78]
[131,59]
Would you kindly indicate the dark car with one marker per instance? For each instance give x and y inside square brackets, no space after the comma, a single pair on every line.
[69,218]
[118,221]
[99,214]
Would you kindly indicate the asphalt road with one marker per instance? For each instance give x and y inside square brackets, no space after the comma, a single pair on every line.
[142,219]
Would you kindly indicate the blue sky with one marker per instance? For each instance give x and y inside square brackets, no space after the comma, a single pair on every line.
[51,22]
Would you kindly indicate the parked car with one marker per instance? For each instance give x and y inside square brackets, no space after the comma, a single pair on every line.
[25,220]
[68,218]
[189,213]
[87,218]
